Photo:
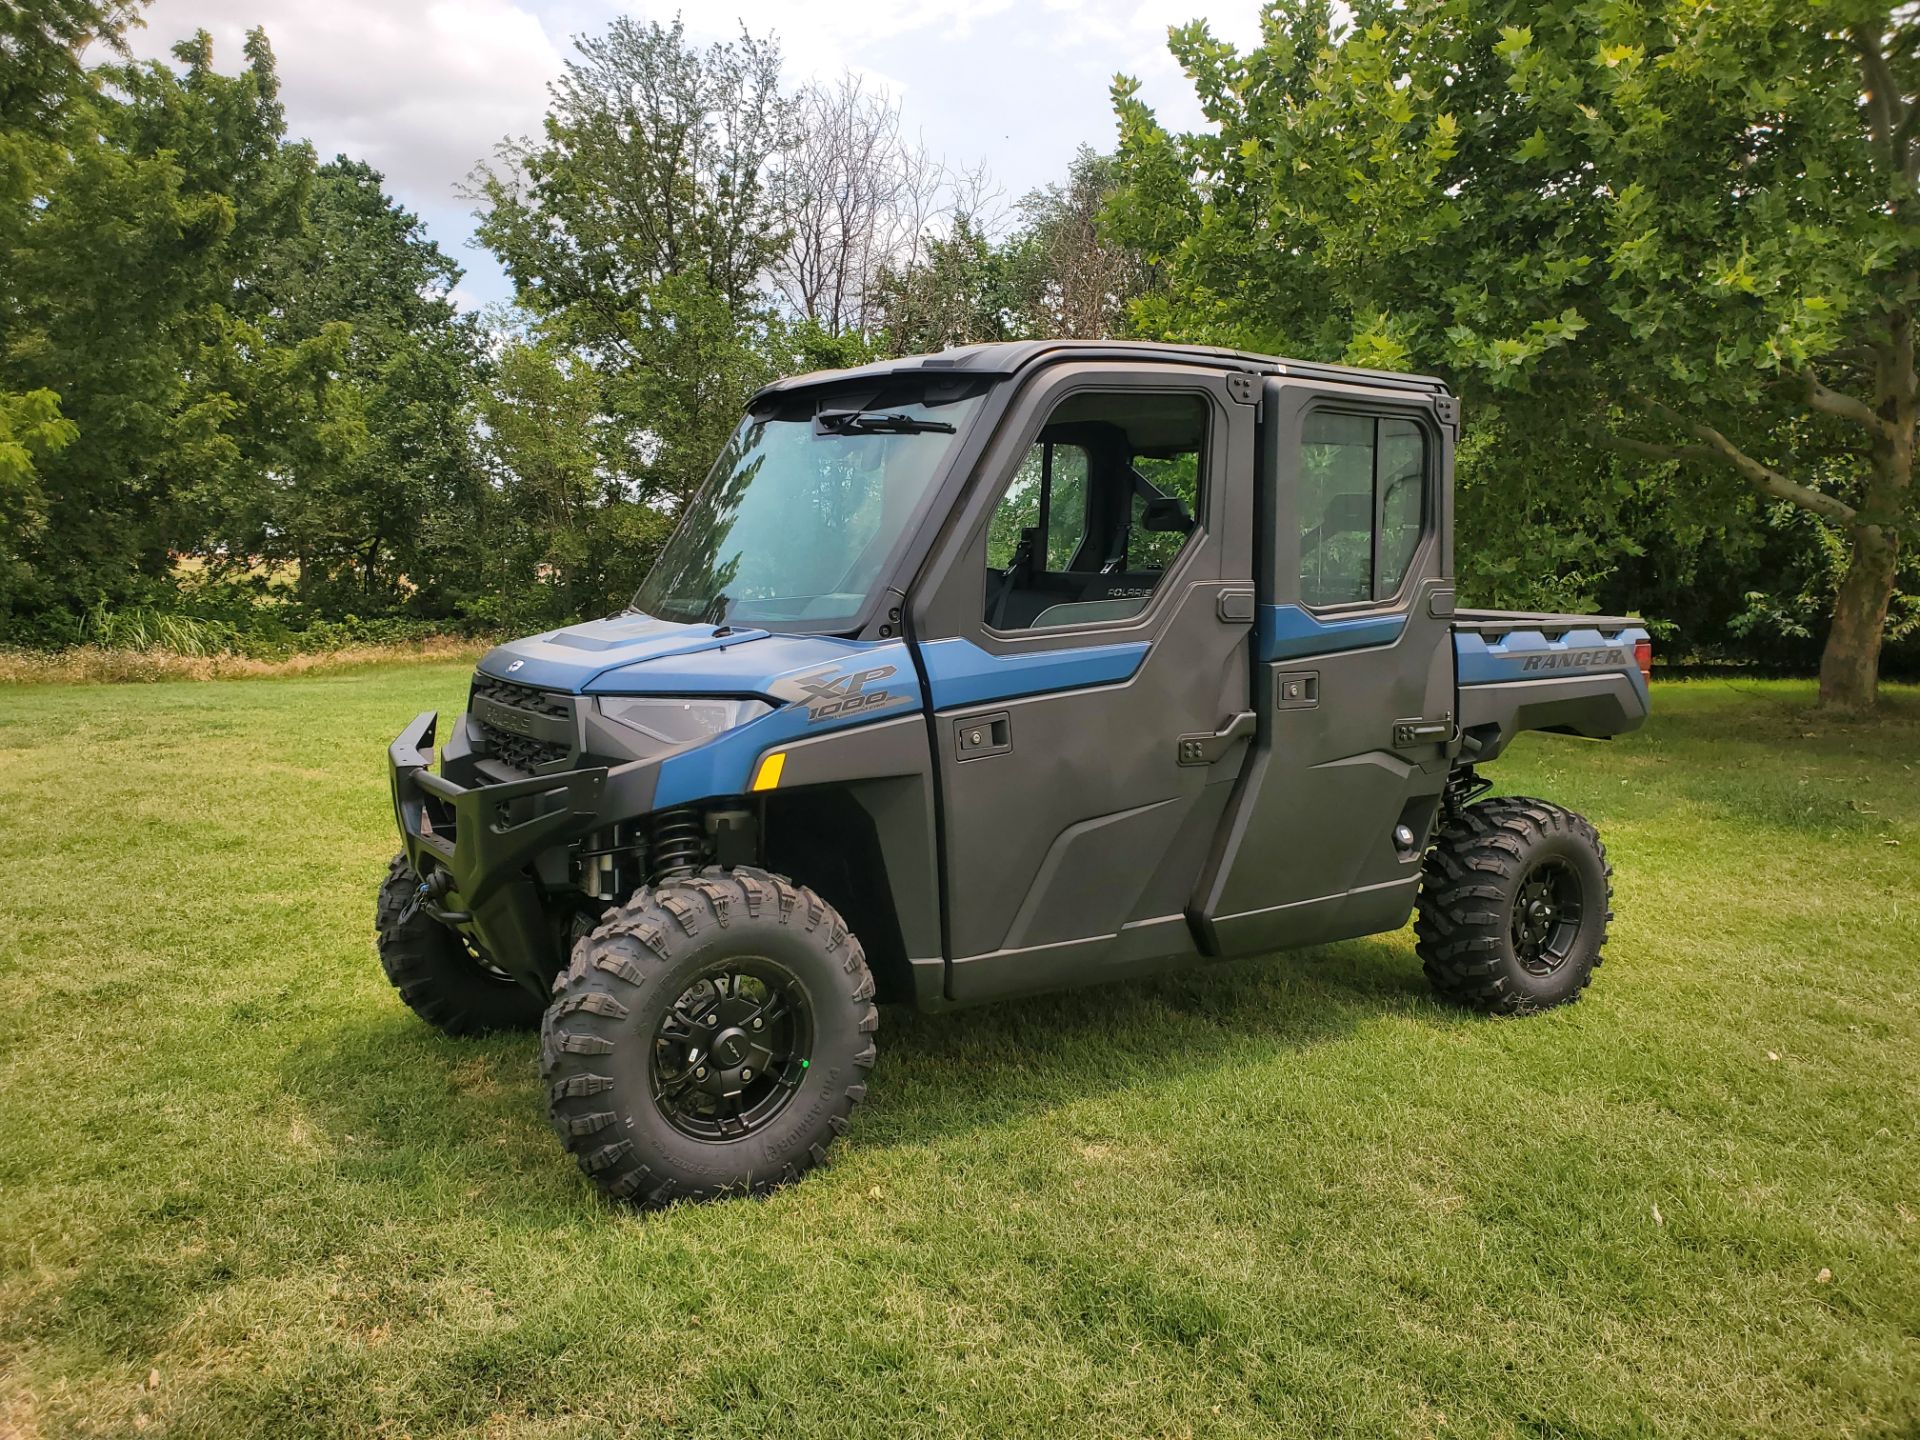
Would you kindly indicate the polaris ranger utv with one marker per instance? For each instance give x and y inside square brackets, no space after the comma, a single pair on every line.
[983,673]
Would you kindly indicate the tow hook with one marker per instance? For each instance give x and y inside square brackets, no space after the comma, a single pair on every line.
[433,890]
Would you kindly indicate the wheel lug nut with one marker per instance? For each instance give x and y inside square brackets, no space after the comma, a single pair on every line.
[712,1020]
[746,1074]
[701,1073]
[758,1023]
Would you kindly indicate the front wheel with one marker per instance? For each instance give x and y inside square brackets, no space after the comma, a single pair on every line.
[1514,904]
[709,1037]
[442,975]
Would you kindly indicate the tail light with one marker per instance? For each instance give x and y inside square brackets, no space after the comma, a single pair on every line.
[1643,657]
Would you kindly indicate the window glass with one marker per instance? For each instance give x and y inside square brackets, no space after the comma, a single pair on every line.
[1066,506]
[1114,478]
[1403,493]
[1017,512]
[1336,509]
[794,525]
[1019,508]
[1362,505]
[1179,476]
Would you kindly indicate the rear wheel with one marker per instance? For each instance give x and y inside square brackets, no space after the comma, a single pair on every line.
[710,1036]
[442,975]
[1514,904]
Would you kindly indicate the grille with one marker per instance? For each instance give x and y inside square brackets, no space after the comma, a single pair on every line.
[522,752]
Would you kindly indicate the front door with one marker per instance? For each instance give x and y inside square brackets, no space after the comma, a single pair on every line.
[1084,639]
[1354,677]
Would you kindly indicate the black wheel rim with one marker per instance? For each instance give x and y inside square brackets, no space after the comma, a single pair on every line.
[731,1051]
[480,962]
[1546,916]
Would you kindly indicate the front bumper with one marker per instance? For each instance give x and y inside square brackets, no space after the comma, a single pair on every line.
[497,831]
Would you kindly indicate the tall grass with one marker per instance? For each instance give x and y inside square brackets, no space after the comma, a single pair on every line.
[146,630]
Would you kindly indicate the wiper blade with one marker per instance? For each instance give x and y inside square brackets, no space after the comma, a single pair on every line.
[875,422]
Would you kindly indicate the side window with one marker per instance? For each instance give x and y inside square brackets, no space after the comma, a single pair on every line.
[1098,510]
[1020,509]
[1362,504]
[1178,476]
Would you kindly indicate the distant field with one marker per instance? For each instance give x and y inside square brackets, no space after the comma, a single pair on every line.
[243,1192]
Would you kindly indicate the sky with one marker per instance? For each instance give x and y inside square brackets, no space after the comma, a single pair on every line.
[424,89]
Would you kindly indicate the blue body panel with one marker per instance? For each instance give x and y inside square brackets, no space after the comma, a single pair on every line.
[572,659]
[725,765]
[639,655]
[810,678]
[1289,632]
[961,673]
[818,683]
[1526,653]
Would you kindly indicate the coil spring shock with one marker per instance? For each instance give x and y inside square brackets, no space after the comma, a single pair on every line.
[679,843]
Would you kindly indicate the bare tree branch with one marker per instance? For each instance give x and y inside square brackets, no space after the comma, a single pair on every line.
[1847,407]
[1653,450]
[1764,478]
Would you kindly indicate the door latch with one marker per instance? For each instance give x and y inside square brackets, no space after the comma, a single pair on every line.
[1410,734]
[983,735]
[1205,749]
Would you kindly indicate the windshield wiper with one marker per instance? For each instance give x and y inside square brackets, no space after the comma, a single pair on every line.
[875,422]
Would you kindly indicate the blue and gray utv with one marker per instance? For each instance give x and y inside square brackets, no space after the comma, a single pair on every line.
[977,674]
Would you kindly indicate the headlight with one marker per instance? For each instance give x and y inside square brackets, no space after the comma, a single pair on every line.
[675,721]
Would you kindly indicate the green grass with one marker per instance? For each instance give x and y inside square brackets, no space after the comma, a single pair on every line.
[1288,1196]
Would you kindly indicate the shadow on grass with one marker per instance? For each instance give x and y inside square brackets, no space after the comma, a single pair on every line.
[473,1111]
[402,1132]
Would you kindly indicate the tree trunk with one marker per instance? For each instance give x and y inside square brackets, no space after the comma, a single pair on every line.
[1850,663]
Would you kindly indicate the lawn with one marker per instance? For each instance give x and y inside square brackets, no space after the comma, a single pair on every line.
[244,1192]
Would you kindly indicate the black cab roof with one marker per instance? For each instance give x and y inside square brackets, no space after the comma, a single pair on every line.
[1012,356]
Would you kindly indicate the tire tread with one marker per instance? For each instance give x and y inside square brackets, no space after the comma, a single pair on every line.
[605,977]
[1460,924]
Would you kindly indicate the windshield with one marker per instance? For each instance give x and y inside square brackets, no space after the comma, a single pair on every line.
[798,517]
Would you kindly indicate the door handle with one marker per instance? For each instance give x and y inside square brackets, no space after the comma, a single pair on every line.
[1205,749]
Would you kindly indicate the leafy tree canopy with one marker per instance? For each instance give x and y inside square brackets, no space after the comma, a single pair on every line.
[1687,231]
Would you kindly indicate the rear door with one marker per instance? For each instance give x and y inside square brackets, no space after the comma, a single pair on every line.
[1083,629]
[1354,674]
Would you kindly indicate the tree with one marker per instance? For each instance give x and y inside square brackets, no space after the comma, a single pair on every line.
[857,199]
[575,540]
[1073,276]
[397,516]
[638,230]
[1686,231]
[135,295]
[42,80]
[960,293]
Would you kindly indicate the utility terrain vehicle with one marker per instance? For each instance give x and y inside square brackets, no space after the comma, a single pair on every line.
[983,673]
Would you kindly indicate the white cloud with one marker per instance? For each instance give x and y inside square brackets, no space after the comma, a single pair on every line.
[424,89]
[420,92]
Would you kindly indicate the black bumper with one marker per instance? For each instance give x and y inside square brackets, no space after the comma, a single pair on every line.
[497,830]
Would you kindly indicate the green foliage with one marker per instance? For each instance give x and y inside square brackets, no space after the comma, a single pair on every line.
[132,297]
[143,628]
[961,293]
[393,521]
[636,230]
[1678,227]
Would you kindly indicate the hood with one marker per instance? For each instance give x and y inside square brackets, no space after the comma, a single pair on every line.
[636,654]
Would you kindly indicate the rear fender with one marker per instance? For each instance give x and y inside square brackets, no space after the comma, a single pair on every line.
[1577,681]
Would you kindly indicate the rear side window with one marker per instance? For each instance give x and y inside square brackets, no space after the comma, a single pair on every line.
[1362,505]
